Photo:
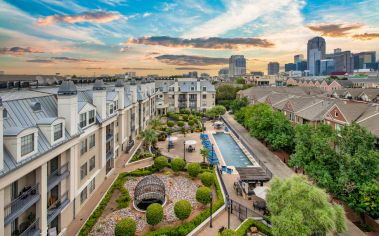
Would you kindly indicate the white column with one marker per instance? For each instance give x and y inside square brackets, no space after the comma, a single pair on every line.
[2,215]
[42,203]
[102,148]
[72,152]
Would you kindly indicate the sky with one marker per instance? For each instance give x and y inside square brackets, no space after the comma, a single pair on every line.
[101,37]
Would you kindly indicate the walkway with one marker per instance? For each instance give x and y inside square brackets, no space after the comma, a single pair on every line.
[92,202]
[220,221]
[274,164]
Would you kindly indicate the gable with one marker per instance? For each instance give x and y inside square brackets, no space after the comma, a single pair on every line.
[335,114]
[86,107]
[288,106]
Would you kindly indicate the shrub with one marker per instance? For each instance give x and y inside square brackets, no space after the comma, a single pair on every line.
[125,227]
[180,123]
[185,117]
[243,229]
[182,209]
[191,122]
[170,123]
[185,111]
[154,214]
[178,164]
[193,169]
[207,179]
[203,195]
[160,162]
[228,232]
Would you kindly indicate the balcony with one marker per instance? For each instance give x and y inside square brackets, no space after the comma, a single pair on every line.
[109,136]
[57,176]
[56,208]
[27,198]
[109,154]
[32,229]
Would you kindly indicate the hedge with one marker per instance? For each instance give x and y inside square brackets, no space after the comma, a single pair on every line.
[154,214]
[242,230]
[187,227]
[125,227]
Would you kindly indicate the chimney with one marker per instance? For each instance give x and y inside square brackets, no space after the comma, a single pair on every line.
[133,90]
[120,89]
[1,136]
[68,105]
[100,98]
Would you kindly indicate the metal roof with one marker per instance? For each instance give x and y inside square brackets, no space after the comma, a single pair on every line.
[99,85]
[67,88]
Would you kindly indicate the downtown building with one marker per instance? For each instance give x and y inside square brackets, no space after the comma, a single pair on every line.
[273,68]
[58,144]
[316,48]
[237,65]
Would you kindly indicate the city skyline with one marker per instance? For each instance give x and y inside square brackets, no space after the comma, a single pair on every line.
[172,37]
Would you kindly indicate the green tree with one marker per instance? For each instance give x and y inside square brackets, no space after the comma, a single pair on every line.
[125,227]
[203,195]
[282,134]
[204,153]
[353,139]
[160,162]
[182,209]
[193,169]
[156,123]
[149,137]
[207,179]
[154,214]
[240,81]
[216,111]
[238,104]
[178,164]
[298,208]
[259,120]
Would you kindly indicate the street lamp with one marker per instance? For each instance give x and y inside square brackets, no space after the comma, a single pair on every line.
[184,155]
[210,222]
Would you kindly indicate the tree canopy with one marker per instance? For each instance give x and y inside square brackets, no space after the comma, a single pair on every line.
[216,111]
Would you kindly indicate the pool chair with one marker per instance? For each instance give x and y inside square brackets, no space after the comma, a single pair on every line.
[223,168]
[229,170]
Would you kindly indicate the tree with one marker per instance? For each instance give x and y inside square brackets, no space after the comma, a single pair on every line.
[207,179]
[298,208]
[193,169]
[203,195]
[178,164]
[204,153]
[216,111]
[160,162]
[240,81]
[182,209]
[238,104]
[148,137]
[156,123]
[125,227]
[282,133]
[154,214]
[170,123]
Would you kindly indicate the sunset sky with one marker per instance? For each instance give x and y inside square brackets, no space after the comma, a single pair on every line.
[173,37]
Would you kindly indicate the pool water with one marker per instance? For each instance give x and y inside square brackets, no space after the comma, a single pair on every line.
[230,151]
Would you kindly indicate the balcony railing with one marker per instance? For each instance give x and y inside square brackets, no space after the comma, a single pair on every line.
[55,209]
[109,136]
[57,176]
[32,229]
[109,154]
[24,201]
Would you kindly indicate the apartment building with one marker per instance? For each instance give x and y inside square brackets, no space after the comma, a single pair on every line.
[185,93]
[52,155]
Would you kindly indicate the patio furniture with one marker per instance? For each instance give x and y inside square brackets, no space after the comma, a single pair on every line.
[223,168]
[229,170]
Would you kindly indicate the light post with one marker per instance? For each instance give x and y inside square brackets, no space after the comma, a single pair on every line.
[210,222]
[229,205]
[184,152]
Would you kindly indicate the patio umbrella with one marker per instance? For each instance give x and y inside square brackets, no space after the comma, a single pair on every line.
[218,123]
[261,191]
[191,142]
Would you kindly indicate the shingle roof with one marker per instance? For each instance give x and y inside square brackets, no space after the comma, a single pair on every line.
[351,111]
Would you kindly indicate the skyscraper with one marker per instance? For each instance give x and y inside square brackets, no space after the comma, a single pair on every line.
[289,67]
[298,58]
[237,65]
[327,66]
[273,68]
[365,60]
[315,52]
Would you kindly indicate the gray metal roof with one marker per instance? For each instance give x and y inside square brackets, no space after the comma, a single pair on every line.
[67,88]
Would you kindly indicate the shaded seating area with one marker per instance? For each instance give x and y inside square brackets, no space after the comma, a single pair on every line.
[250,178]
[212,156]
[218,125]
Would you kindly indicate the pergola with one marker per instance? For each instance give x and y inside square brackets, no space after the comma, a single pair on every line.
[150,189]
[250,177]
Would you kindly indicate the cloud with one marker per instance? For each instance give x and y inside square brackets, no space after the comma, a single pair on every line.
[46,61]
[93,68]
[209,43]
[146,14]
[70,59]
[366,36]
[190,68]
[334,30]
[88,16]
[140,68]
[183,60]
[18,51]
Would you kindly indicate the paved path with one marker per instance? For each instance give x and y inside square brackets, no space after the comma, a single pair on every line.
[220,221]
[85,212]
[274,164]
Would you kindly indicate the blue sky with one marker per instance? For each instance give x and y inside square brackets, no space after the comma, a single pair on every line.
[158,37]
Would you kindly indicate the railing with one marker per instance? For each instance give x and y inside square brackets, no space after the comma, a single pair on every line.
[56,176]
[242,211]
[109,135]
[32,229]
[263,166]
[21,201]
[55,208]
[109,154]
[58,172]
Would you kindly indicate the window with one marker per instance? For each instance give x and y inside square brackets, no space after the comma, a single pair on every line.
[83,146]
[83,120]
[204,88]
[111,109]
[115,105]
[192,88]
[27,144]
[83,171]
[83,195]
[58,131]
[204,96]
[91,141]
[91,117]
[91,185]
[336,114]
[92,163]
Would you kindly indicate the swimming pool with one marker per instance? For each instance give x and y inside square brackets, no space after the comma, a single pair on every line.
[230,151]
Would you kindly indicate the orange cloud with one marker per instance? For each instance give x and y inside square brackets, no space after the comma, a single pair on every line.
[90,16]
[18,51]
[366,36]
[334,30]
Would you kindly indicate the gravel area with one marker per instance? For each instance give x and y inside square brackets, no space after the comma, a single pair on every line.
[177,188]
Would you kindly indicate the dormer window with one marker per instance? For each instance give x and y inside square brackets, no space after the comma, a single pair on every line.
[5,113]
[192,88]
[91,117]
[36,106]
[204,88]
[27,144]
[83,120]
[58,131]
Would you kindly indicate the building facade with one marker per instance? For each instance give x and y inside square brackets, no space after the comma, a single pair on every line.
[289,67]
[365,60]
[237,65]
[273,68]
[327,66]
[316,48]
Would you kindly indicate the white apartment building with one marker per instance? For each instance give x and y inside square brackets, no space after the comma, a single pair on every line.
[52,155]
[184,93]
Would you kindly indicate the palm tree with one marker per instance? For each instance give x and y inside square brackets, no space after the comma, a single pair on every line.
[204,152]
[148,137]
[155,123]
